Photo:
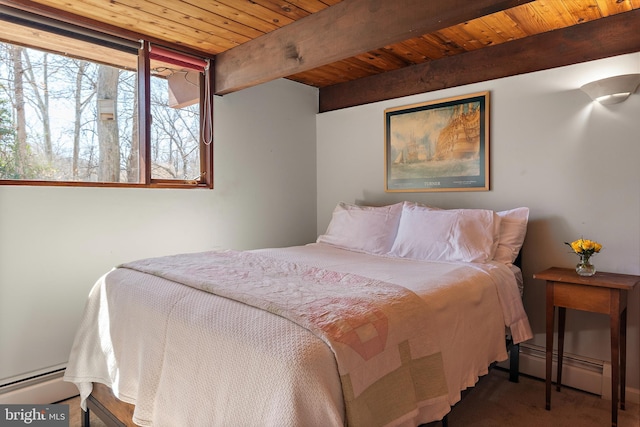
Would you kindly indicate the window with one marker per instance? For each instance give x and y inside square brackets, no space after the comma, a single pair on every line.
[84,108]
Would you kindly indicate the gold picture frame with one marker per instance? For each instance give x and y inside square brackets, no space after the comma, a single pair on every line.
[440,145]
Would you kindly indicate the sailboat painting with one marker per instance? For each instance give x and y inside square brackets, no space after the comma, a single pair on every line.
[440,145]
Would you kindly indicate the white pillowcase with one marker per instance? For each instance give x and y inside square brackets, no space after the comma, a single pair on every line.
[368,229]
[513,229]
[465,235]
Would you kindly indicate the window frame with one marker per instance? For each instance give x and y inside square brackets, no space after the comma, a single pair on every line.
[85,26]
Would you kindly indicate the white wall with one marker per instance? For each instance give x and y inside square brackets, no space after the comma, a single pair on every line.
[574,163]
[56,241]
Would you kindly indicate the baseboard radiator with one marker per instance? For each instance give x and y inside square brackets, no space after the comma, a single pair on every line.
[582,373]
[40,388]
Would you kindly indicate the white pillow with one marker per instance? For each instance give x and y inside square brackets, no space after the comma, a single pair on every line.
[466,235]
[513,229]
[415,205]
[366,229]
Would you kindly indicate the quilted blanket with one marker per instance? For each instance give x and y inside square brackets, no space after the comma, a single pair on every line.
[380,333]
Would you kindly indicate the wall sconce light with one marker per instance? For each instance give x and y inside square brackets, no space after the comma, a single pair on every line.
[613,89]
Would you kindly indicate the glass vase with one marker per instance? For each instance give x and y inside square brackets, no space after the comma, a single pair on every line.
[584,267]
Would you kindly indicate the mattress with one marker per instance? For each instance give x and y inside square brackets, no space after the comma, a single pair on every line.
[183,356]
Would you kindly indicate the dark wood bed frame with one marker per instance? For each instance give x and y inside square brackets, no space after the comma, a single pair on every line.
[112,411]
[116,413]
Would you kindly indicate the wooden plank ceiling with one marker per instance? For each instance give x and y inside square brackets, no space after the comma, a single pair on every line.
[354,49]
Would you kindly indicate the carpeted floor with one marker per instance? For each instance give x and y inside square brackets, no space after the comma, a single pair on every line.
[496,402]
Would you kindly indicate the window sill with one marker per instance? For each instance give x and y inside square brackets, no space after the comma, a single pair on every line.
[154,184]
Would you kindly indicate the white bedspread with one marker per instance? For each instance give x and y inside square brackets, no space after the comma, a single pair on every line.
[188,357]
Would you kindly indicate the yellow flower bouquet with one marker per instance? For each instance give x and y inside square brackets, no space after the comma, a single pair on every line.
[585,248]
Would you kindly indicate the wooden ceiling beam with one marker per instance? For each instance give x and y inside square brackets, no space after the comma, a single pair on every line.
[602,38]
[346,29]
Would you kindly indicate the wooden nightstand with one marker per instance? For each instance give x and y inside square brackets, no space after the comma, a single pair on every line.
[602,293]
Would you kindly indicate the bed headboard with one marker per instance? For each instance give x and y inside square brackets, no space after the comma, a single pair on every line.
[518,261]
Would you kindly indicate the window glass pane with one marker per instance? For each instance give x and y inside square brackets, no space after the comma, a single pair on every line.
[67,118]
[175,124]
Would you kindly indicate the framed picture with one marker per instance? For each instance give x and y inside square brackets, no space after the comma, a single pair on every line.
[439,145]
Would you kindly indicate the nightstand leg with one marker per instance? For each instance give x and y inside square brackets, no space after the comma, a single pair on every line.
[562,316]
[615,365]
[623,357]
[549,350]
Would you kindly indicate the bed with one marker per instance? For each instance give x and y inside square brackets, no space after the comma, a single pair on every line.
[385,320]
